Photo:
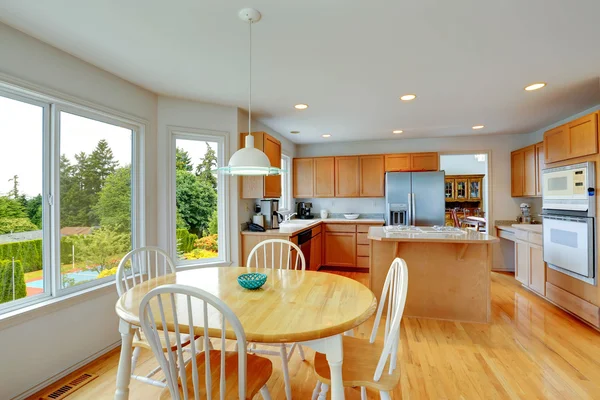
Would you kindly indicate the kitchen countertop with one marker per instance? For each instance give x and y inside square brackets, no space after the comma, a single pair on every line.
[379,234]
[536,228]
[287,230]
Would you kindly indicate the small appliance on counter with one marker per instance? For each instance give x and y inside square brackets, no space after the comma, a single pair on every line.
[569,214]
[303,210]
[525,217]
[258,219]
[270,210]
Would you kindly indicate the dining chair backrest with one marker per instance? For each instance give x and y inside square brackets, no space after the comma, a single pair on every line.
[276,254]
[455,221]
[394,291]
[142,264]
[186,309]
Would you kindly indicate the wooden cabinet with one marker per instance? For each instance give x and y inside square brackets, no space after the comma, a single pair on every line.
[517,173]
[461,192]
[411,162]
[340,249]
[525,171]
[303,179]
[347,176]
[372,176]
[450,189]
[397,162]
[537,269]
[530,171]
[522,262]
[475,189]
[577,138]
[424,162]
[324,177]
[258,187]
[316,250]
[540,165]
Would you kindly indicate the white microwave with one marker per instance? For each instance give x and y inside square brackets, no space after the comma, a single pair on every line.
[569,188]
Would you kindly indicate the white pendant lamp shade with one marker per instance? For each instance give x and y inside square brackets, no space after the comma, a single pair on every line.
[249,161]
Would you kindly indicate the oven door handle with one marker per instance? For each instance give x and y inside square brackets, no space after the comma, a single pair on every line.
[566,218]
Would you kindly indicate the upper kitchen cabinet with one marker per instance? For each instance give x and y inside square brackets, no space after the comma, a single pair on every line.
[540,165]
[324,177]
[424,162]
[525,167]
[258,187]
[411,162]
[372,174]
[347,176]
[577,138]
[303,177]
[397,162]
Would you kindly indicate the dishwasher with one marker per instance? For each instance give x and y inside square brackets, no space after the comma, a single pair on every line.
[304,244]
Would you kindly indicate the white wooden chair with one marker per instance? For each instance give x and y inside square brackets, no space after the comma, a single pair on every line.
[278,254]
[364,361]
[137,266]
[210,374]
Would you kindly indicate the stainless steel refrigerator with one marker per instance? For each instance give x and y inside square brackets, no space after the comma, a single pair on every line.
[415,198]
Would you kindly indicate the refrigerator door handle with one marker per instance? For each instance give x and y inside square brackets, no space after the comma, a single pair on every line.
[414,210]
[409,209]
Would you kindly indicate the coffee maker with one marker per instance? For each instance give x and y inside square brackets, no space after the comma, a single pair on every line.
[270,209]
[303,210]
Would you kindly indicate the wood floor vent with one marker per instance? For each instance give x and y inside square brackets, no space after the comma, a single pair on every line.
[65,390]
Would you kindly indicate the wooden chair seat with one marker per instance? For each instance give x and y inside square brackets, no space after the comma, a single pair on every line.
[360,362]
[143,342]
[258,373]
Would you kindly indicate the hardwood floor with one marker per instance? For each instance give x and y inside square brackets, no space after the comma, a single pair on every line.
[531,350]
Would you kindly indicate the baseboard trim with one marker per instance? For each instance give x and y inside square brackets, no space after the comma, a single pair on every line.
[62,374]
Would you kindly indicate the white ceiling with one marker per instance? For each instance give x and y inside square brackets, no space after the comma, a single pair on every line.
[350,60]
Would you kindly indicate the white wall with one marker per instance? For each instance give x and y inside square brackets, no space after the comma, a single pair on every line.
[38,349]
[503,205]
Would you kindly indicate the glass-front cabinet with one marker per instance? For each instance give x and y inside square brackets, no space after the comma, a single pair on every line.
[475,189]
[461,189]
[449,189]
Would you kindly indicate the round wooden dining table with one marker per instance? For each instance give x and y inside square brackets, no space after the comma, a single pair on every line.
[307,307]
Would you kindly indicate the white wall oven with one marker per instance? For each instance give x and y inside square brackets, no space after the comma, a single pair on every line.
[569,208]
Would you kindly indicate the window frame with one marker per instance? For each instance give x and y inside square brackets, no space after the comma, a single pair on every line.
[223,203]
[286,198]
[53,103]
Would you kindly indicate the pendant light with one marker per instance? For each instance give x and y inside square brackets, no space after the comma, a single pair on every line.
[249,161]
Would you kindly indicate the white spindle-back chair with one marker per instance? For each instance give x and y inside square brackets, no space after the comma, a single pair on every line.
[278,254]
[137,266]
[361,367]
[188,309]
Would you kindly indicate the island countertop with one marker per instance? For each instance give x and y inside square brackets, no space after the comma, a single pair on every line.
[468,237]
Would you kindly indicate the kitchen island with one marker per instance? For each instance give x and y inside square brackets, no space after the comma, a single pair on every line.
[448,272]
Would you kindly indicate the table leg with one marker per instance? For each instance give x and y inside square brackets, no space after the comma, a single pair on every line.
[124,371]
[333,349]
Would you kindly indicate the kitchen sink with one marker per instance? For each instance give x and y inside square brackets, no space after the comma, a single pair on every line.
[297,222]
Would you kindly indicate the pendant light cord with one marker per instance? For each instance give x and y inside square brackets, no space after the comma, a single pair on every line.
[250,85]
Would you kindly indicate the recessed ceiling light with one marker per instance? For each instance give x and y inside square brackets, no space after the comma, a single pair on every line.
[478,127]
[294,132]
[408,97]
[301,106]
[397,131]
[535,86]
[326,135]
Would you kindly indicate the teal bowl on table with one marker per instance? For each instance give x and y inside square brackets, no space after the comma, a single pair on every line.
[252,280]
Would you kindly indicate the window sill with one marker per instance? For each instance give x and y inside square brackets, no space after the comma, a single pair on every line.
[49,306]
[183,267]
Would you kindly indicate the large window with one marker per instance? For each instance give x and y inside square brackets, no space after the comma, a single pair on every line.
[199,198]
[68,196]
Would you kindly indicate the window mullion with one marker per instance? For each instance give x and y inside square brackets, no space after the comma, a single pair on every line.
[54,202]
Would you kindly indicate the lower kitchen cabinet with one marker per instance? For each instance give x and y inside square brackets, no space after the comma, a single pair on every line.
[340,249]
[316,251]
[537,269]
[522,262]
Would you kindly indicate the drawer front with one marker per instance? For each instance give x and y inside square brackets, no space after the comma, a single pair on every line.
[340,228]
[364,228]
[522,235]
[362,238]
[362,250]
[576,305]
[363,262]
[506,235]
[316,230]
[535,238]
